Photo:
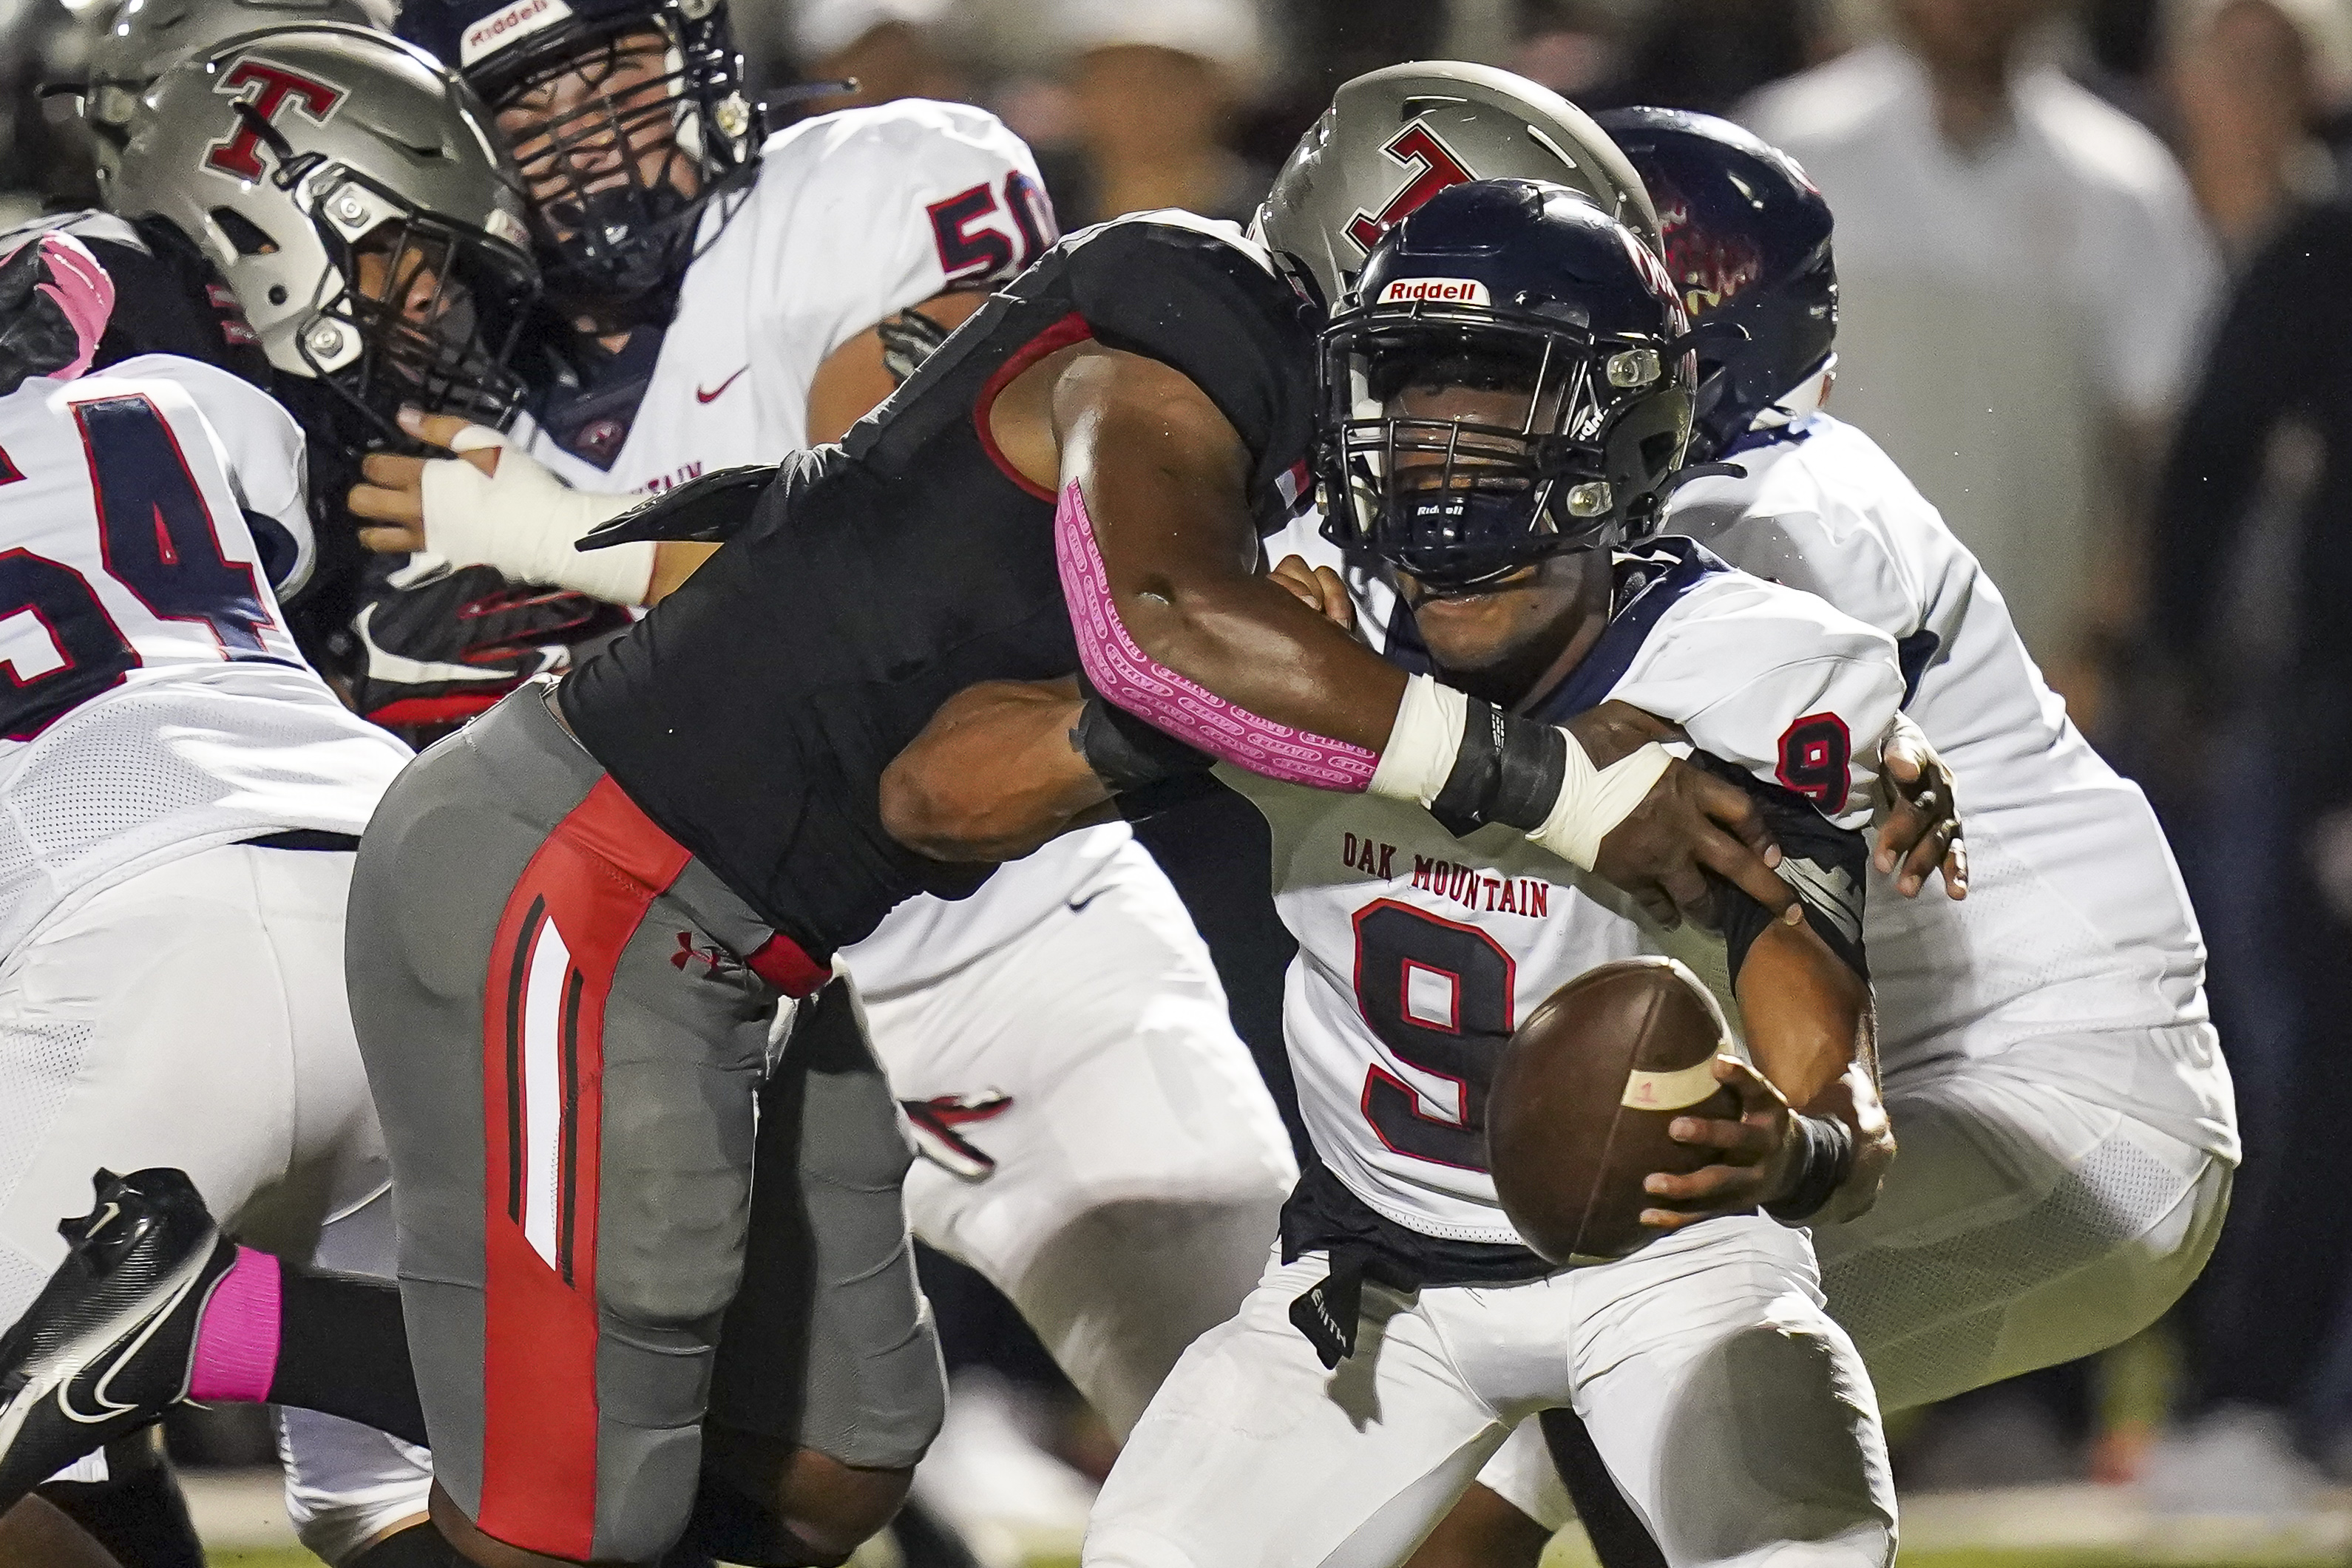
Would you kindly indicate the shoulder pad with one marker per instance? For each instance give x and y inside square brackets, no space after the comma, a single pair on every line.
[710,509]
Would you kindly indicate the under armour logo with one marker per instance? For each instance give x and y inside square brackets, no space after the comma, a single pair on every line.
[714,957]
[274,85]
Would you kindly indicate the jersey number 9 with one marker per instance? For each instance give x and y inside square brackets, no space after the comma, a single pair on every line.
[1440,997]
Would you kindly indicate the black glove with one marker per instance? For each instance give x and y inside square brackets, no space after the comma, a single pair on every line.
[438,648]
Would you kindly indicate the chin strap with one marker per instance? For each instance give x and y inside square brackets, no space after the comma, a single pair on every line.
[1682,476]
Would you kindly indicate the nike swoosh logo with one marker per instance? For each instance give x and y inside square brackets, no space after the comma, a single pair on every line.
[702,396]
[108,1406]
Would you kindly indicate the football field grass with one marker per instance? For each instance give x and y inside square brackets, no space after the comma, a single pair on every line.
[2067,1526]
[1572,1555]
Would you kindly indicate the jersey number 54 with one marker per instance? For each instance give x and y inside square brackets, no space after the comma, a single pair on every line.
[58,646]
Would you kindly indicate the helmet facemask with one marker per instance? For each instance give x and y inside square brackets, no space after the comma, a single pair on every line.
[411,308]
[622,142]
[1463,446]
[435,312]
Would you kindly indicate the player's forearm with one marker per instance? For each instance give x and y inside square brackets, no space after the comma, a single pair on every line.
[1188,595]
[1808,1013]
[1810,1030]
[993,775]
[1176,625]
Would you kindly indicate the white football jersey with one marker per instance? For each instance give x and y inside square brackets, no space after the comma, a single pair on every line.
[854,217]
[2077,924]
[1419,952]
[154,704]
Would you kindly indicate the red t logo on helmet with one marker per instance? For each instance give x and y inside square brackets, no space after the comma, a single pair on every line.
[240,155]
[1439,168]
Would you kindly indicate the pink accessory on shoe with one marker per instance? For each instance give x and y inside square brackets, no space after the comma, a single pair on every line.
[1127,676]
[236,1338]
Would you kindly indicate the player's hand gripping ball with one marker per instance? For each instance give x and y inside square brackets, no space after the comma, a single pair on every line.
[1588,1085]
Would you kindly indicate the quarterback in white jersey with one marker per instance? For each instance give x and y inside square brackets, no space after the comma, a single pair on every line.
[179,798]
[1404,1326]
[1121,1122]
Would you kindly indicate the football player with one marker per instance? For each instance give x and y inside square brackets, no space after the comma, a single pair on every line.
[401,196]
[2067,1123]
[411,644]
[1104,1152]
[1136,405]
[183,796]
[1505,402]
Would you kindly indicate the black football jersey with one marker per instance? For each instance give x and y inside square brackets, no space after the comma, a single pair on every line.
[752,712]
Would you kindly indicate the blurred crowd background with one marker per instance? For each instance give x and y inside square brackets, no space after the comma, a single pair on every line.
[2097,262]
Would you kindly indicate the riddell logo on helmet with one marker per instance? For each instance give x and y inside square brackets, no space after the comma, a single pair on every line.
[1436,291]
[500,28]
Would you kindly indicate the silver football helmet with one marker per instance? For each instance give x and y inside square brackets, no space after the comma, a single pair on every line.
[1395,137]
[145,37]
[352,193]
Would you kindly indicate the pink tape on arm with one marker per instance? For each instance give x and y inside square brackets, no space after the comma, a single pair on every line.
[82,289]
[236,1338]
[1127,675]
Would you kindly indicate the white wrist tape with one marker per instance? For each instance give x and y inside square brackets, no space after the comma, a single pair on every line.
[1593,801]
[525,521]
[1423,744]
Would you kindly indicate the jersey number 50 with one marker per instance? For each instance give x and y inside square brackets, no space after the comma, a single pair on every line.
[157,539]
[1439,995]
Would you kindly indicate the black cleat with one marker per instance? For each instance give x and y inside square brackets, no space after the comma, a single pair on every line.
[106,1347]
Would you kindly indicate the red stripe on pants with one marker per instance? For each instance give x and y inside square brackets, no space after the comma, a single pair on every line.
[592,883]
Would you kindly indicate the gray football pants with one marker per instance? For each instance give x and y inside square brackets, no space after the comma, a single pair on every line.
[564,1018]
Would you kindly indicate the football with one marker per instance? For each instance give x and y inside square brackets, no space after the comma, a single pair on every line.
[1581,1104]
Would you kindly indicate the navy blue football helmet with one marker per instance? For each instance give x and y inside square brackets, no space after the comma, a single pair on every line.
[1509,380]
[620,162]
[1747,239]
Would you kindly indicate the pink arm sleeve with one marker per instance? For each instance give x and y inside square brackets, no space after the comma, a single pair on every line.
[1124,675]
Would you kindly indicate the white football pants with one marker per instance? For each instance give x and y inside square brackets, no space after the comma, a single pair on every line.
[192,1016]
[347,1484]
[1733,1413]
[2022,1225]
[1141,1167]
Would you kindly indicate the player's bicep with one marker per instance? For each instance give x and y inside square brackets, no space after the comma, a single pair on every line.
[1812,726]
[1162,473]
